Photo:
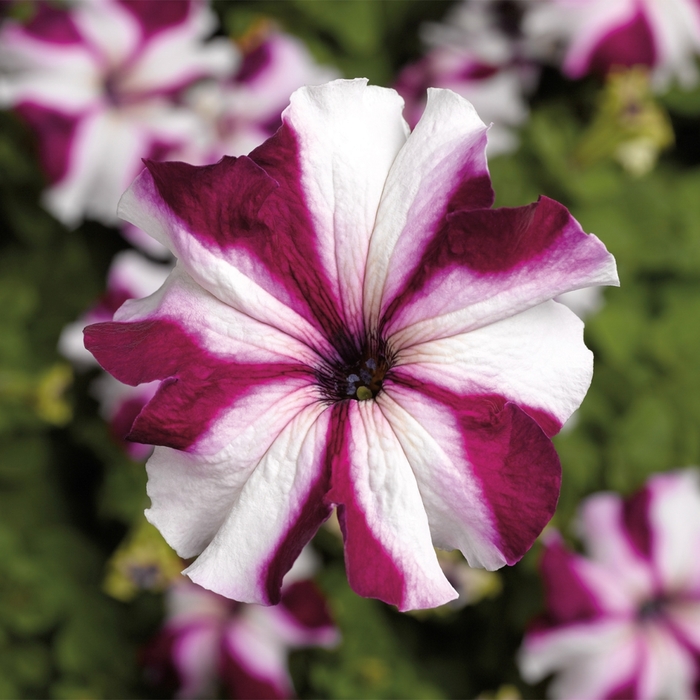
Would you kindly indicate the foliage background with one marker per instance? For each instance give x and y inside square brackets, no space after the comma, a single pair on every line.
[68,493]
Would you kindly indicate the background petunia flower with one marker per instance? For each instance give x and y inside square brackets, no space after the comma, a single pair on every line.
[240,112]
[208,641]
[594,36]
[130,276]
[478,52]
[624,621]
[350,325]
[97,84]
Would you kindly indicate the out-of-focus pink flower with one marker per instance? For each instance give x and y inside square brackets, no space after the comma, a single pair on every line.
[593,36]
[624,621]
[131,276]
[209,642]
[119,406]
[239,113]
[350,324]
[478,52]
[97,84]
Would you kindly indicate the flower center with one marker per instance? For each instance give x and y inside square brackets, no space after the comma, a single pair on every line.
[111,89]
[651,608]
[364,381]
[361,378]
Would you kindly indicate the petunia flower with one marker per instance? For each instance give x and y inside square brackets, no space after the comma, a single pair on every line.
[479,53]
[350,325]
[130,276]
[208,641]
[495,90]
[624,621]
[598,35]
[97,83]
[243,110]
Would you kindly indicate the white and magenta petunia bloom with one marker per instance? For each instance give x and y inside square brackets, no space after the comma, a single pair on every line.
[597,35]
[97,84]
[624,621]
[210,643]
[350,325]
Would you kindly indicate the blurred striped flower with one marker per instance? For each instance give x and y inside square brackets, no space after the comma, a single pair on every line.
[210,643]
[479,53]
[594,36]
[98,84]
[624,621]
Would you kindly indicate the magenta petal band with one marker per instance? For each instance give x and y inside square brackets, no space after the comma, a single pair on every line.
[350,325]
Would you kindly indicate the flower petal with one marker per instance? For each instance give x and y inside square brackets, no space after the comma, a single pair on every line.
[266,232]
[349,134]
[52,25]
[604,526]
[306,619]
[220,368]
[56,74]
[55,132]
[442,168]
[611,41]
[183,657]
[111,32]
[536,359]
[595,660]
[388,549]
[208,217]
[487,474]
[579,589]
[568,594]
[674,525]
[254,665]
[194,655]
[88,187]
[174,54]
[130,275]
[684,618]
[484,265]
[155,16]
[668,669]
[275,513]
